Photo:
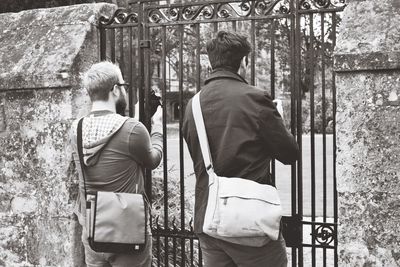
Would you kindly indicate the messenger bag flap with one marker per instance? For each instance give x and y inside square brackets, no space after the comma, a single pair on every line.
[243,188]
[123,206]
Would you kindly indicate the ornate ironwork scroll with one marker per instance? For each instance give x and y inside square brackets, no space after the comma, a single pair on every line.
[321,4]
[199,12]
[324,235]
[119,17]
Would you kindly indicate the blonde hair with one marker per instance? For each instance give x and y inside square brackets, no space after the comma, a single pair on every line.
[100,79]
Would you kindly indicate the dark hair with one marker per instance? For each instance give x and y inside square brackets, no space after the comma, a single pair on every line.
[227,49]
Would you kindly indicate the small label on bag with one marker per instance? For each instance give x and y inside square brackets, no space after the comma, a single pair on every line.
[137,247]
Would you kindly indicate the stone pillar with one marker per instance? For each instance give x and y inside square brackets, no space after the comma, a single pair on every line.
[367,62]
[43,52]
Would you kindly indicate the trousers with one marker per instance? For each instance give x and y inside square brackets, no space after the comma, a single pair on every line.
[219,253]
[99,259]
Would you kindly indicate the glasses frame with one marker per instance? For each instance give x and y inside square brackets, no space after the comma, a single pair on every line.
[125,85]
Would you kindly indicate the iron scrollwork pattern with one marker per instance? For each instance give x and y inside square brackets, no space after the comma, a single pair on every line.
[321,4]
[208,11]
[324,235]
[120,16]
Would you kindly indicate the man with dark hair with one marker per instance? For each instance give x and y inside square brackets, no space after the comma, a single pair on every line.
[115,151]
[245,131]
[227,50]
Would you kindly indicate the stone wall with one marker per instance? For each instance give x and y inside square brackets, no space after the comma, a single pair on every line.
[367,62]
[42,53]
[20,5]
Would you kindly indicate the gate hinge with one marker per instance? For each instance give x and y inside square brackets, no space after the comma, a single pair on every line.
[144,43]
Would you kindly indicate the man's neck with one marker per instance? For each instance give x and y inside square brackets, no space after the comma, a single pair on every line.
[226,69]
[103,105]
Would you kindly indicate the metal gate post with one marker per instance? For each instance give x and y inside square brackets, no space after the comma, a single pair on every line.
[293,70]
[145,82]
[299,124]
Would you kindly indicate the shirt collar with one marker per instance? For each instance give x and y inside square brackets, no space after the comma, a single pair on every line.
[103,112]
[223,73]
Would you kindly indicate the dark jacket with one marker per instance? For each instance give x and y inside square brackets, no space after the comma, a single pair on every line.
[244,129]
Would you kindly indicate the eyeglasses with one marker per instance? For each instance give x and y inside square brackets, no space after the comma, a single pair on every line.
[125,85]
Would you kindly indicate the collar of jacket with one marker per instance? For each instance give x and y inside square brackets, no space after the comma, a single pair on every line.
[221,73]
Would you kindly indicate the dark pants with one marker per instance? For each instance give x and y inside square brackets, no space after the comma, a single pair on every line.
[219,253]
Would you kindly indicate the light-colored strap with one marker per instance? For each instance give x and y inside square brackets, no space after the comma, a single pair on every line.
[201,132]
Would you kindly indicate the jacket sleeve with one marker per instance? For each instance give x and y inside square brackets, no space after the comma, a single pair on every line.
[279,142]
[146,150]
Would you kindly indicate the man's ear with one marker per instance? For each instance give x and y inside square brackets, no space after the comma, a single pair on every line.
[242,68]
[245,61]
[115,91]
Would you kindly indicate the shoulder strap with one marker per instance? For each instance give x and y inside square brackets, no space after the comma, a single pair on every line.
[201,132]
[80,153]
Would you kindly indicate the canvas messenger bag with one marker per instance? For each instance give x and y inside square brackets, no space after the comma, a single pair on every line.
[238,210]
[115,222]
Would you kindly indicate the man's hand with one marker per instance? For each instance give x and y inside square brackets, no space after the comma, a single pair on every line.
[155,102]
[279,106]
[136,111]
[157,117]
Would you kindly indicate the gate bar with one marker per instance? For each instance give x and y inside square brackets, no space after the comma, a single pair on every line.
[299,121]
[293,116]
[140,64]
[112,44]
[253,50]
[252,55]
[131,73]
[312,132]
[165,137]
[323,85]
[198,50]
[272,78]
[335,201]
[121,50]
[103,43]
[181,152]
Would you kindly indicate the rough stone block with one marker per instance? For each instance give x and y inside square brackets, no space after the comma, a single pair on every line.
[368,134]
[47,44]
[40,96]
[368,131]
[369,26]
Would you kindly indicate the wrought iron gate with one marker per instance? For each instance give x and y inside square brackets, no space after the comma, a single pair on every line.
[160,45]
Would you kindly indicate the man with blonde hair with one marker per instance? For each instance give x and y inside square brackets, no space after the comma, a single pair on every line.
[115,149]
